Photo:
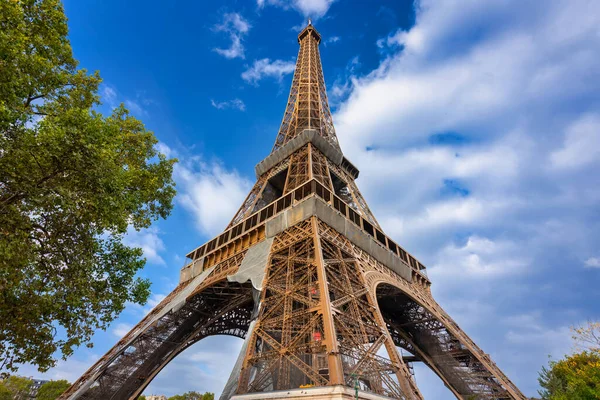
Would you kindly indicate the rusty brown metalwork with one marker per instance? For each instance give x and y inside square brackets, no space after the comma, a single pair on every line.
[307,106]
[350,193]
[329,297]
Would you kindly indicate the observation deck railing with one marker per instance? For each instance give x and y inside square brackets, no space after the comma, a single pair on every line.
[310,188]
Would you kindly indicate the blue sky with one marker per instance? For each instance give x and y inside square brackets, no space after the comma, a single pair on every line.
[475,126]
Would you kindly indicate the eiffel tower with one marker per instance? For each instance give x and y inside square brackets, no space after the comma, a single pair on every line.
[328,305]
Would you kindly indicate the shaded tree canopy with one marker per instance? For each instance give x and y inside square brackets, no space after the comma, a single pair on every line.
[52,389]
[193,396]
[71,183]
[15,388]
[575,377]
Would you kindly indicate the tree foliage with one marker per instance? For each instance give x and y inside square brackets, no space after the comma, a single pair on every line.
[575,377]
[71,182]
[193,396]
[15,388]
[52,389]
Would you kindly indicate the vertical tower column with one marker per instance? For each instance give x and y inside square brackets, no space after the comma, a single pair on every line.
[336,376]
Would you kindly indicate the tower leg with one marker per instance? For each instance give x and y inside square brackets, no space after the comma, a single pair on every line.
[204,306]
[417,323]
[361,331]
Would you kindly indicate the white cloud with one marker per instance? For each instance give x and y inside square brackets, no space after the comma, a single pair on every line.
[581,145]
[109,94]
[164,149]
[555,341]
[443,81]
[331,40]
[308,8]
[210,192]
[342,85]
[135,107]
[155,299]
[236,27]
[479,257]
[149,241]
[265,68]
[592,262]
[121,329]
[235,104]
[206,189]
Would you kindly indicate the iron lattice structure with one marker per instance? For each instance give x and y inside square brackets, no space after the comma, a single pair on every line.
[306,276]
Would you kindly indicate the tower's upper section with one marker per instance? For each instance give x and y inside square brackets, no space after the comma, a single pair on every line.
[307,106]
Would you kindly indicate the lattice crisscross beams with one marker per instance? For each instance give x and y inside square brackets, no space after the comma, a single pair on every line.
[307,106]
[350,193]
[360,332]
[249,203]
[434,341]
[419,325]
[320,170]
[127,373]
[299,170]
[287,344]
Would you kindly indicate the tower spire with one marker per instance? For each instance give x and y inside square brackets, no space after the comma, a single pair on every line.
[307,106]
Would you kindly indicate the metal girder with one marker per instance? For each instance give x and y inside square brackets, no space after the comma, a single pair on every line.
[134,365]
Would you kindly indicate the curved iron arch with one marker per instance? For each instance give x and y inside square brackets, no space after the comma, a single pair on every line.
[420,329]
[204,314]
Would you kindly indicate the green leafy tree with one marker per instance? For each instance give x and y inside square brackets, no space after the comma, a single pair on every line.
[52,389]
[575,377]
[71,183]
[4,392]
[142,397]
[15,388]
[193,396]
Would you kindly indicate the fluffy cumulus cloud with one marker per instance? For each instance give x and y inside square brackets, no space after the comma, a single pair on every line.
[234,25]
[149,241]
[478,142]
[581,144]
[206,189]
[308,8]
[210,192]
[265,68]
